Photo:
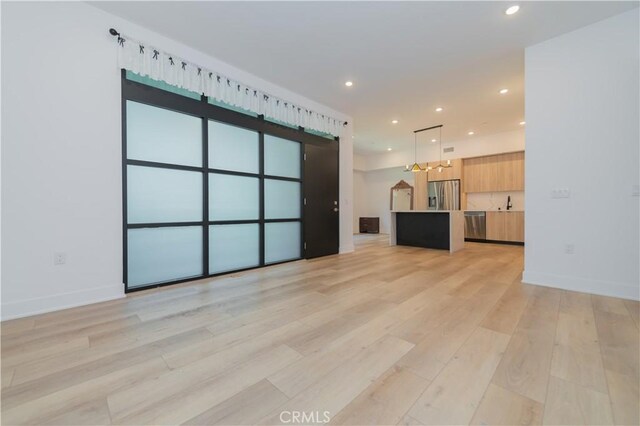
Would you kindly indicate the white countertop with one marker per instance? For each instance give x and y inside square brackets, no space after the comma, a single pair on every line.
[425,211]
[450,211]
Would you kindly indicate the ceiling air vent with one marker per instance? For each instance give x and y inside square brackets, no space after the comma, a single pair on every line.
[449,149]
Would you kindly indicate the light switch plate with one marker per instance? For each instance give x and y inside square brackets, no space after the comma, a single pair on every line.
[560,193]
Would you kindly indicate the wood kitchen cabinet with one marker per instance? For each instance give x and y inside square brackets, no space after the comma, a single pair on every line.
[505,226]
[420,190]
[494,173]
[449,173]
[421,180]
[495,226]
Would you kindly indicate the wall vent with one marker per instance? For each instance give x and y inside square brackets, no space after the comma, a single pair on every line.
[449,149]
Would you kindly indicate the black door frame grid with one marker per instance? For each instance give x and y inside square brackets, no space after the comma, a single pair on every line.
[152,96]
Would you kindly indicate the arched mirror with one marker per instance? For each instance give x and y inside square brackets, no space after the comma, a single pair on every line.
[401,197]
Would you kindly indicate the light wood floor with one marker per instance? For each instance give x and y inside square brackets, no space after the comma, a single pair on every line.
[386,335]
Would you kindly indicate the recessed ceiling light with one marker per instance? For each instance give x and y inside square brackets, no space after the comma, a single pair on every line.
[503,91]
[470,133]
[522,123]
[348,83]
[511,10]
[388,149]
[433,140]
[394,121]
[439,109]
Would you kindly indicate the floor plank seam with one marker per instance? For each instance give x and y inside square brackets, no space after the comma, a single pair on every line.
[545,406]
[606,381]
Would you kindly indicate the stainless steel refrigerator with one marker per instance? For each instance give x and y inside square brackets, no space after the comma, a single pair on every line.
[443,195]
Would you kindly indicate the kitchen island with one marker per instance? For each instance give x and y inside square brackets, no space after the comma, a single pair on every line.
[437,229]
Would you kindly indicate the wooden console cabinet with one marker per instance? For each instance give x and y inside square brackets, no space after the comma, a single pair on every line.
[369,225]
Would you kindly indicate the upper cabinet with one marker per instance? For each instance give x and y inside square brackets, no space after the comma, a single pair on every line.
[449,173]
[493,173]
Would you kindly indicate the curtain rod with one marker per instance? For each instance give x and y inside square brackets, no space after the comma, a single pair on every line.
[428,128]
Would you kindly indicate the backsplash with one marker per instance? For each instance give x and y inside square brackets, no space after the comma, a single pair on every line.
[492,200]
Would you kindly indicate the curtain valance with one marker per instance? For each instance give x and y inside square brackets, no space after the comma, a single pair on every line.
[147,60]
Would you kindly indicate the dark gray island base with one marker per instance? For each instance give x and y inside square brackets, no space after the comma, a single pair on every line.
[423,230]
[433,229]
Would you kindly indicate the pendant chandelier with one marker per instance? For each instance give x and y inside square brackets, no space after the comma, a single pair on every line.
[416,167]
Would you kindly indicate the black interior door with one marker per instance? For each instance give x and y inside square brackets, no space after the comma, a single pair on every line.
[321,210]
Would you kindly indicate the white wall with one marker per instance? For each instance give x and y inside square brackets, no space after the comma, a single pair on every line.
[346,188]
[61,157]
[359,162]
[582,113]
[360,192]
[471,147]
[375,186]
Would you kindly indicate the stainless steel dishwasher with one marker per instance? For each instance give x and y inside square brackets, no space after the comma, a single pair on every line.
[475,225]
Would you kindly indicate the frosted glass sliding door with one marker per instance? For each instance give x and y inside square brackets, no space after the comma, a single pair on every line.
[233,247]
[158,255]
[233,197]
[206,191]
[282,199]
[163,195]
[163,136]
[282,241]
[233,148]
[281,157]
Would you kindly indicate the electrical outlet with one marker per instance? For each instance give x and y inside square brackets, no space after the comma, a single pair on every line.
[59,258]
[569,248]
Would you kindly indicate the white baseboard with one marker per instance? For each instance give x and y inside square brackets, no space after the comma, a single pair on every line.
[347,249]
[584,285]
[41,305]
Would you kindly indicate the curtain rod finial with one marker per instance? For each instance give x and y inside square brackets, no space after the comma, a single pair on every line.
[113,32]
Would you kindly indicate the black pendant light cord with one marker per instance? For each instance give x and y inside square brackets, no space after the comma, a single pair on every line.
[440,166]
[440,140]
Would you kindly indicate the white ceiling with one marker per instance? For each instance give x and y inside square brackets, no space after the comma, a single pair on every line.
[405,58]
